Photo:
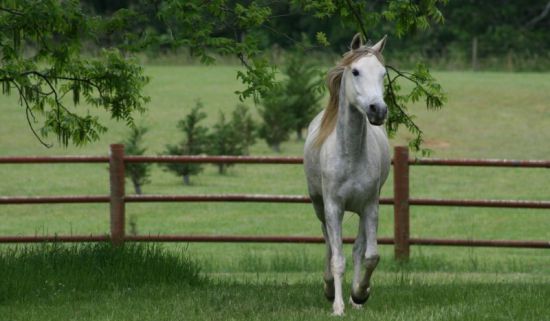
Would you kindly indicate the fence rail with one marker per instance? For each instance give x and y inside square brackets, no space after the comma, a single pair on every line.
[22,200]
[401,200]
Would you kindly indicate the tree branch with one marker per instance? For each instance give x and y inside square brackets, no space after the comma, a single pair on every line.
[407,76]
[393,96]
[11,11]
[357,18]
[531,23]
[27,111]
[88,81]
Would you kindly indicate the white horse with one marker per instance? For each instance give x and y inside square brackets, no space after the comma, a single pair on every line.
[346,160]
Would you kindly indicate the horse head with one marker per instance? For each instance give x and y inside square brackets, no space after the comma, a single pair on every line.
[363,79]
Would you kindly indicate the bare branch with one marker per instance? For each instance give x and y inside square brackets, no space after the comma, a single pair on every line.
[531,23]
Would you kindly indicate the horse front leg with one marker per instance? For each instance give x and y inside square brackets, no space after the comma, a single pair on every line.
[333,223]
[328,287]
[358,260]
[369,221]
[328,279]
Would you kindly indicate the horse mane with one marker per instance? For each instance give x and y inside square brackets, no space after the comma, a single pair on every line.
[333,81]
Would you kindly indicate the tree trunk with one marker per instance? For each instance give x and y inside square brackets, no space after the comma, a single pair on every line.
[133,226]
[137,187]
[221,168]
[474,54]
[299,136]
[276,148]
[186,180]
[510,61]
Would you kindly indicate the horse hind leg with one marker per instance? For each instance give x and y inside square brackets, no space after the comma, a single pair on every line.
[368,228]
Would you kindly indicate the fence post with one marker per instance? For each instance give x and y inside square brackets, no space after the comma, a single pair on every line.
[401,202]
[116,174]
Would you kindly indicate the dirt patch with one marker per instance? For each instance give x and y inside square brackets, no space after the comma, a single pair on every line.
[436,143]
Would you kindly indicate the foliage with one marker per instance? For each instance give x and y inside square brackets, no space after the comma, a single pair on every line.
[224,141]
[195,142]
[245,127]
[221,27]
[424,86]
[42,42]
[139,173]
[404,18]
[278,118]
[206,29]
[502,27]
[303,90]
[294,103]
[232,137]
[228,28]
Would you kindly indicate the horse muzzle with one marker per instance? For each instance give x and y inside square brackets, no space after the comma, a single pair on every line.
[376,113]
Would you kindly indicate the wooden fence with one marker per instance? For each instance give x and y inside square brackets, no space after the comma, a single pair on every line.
[401,200]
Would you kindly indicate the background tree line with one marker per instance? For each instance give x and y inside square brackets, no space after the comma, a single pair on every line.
[505,34]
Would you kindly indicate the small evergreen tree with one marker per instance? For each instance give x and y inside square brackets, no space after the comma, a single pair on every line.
[138,173]
[303,90]
[233,137]
[245,127]
[224,141]
[195,142]
[278,119]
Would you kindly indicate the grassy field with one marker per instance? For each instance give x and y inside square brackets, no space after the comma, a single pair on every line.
[489,115]
[97,282]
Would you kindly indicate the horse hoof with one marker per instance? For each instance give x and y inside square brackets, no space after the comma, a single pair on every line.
[360,300]
[355,305]
[338,312]
[329,292]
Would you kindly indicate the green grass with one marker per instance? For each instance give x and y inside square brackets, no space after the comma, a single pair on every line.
[489,115]
[38,271]
[138,282]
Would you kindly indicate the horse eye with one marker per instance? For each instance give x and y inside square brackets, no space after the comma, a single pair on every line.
[355,72]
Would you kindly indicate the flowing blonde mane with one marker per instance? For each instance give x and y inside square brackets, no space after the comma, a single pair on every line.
[334,79]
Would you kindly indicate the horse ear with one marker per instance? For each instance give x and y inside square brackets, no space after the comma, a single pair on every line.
[356,42]
[379,46]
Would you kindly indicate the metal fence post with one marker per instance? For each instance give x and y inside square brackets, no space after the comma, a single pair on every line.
[116,174]
[401,202]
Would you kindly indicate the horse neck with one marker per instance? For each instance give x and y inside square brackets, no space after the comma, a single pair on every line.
[351,129]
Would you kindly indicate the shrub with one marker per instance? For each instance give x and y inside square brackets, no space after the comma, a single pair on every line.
[138,173]
[195,142]
[278,119]
[233,137]
[303,91]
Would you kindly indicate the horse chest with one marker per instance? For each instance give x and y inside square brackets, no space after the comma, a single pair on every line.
[356,191]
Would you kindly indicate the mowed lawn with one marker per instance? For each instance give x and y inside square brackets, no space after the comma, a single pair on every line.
[488,115]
